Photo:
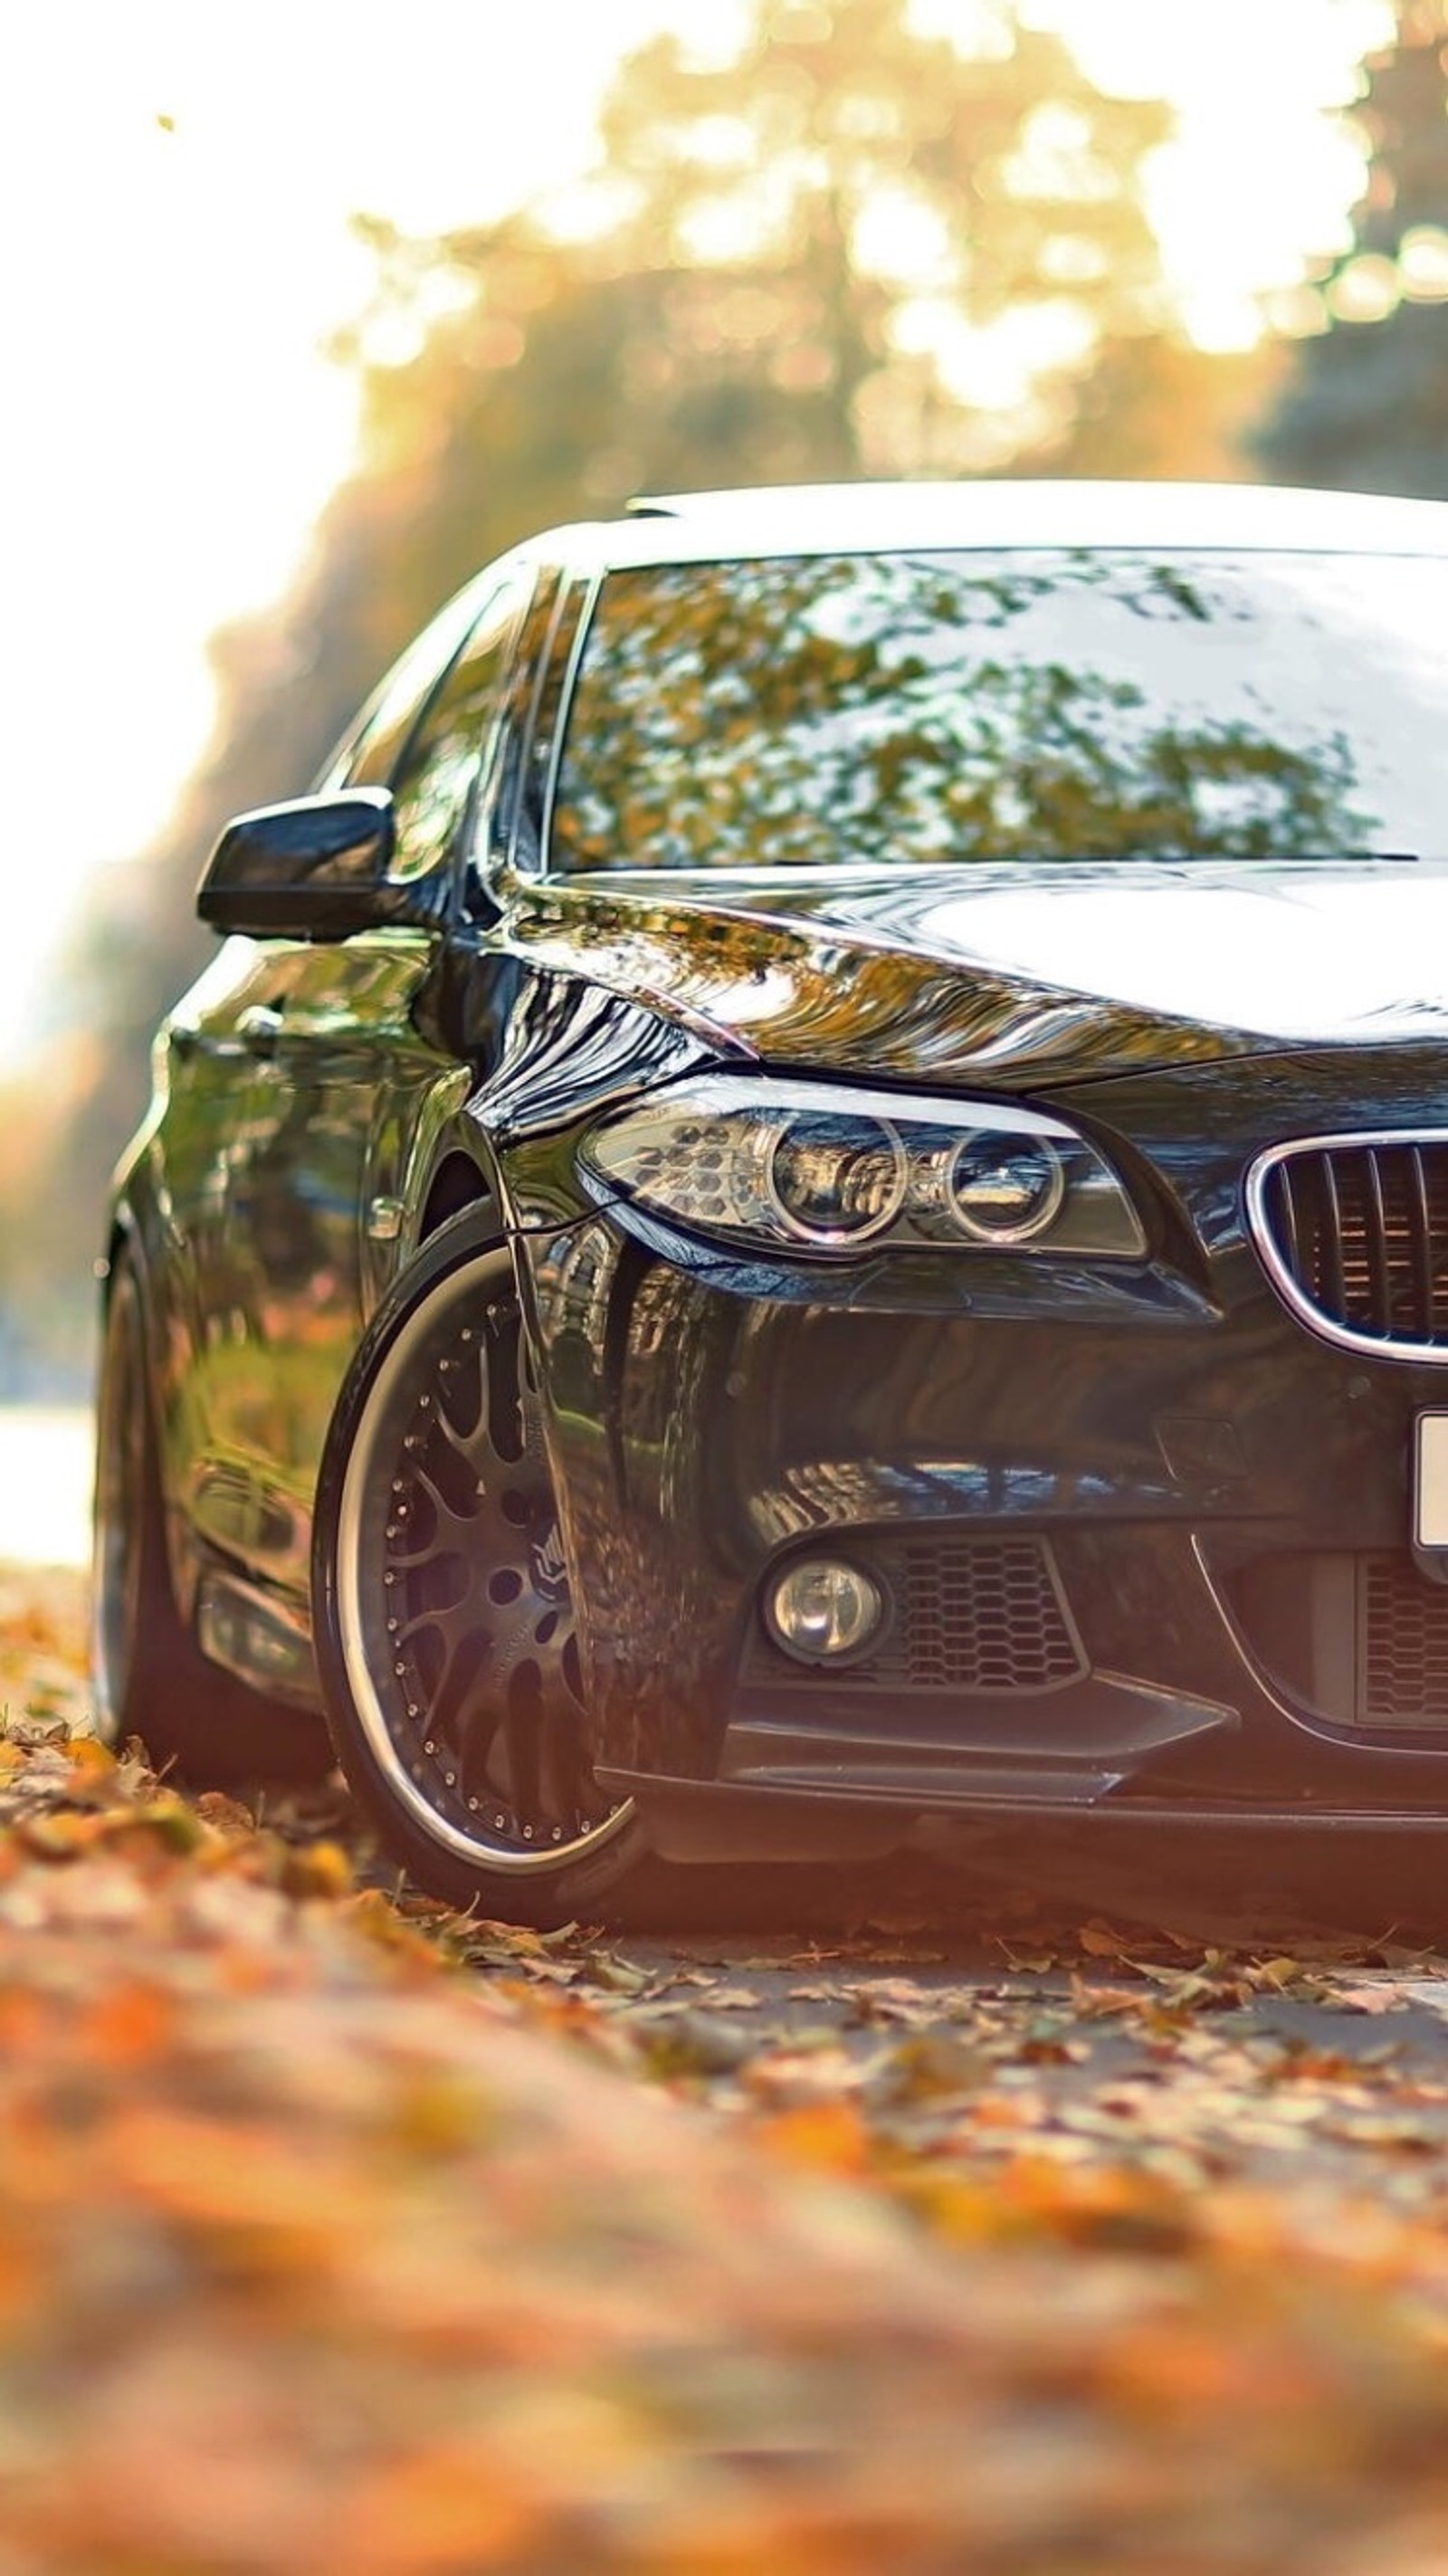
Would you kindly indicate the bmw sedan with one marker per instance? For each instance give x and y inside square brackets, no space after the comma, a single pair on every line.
[807,1203]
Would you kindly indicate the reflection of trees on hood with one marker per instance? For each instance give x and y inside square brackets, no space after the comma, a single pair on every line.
[846,708]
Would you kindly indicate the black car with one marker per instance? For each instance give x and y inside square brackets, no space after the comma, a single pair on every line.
[809,1202]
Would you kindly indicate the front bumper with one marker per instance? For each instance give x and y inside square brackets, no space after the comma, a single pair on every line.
[1220,1503]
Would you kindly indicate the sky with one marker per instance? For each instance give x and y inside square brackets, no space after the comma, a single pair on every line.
[176,180]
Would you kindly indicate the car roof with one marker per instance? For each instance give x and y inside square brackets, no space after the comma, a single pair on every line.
[882,518]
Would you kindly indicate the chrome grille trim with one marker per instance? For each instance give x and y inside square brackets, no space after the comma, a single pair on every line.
[1352,1231]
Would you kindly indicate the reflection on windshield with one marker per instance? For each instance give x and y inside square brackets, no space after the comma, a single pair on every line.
[923,710]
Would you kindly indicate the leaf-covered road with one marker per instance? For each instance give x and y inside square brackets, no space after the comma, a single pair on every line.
[334,2232]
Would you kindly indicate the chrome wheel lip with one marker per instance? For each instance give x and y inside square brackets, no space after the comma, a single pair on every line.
[471,1282]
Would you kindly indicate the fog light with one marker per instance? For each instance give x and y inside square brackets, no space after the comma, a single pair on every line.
[824,1610]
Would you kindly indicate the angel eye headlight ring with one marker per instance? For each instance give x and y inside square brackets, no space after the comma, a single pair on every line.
[1004,1189]
[856,1176]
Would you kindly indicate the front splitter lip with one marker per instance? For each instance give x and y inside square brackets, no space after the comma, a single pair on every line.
[713,1821]
[1104,1728]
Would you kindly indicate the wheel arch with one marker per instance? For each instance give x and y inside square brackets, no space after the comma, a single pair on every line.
[458,1181]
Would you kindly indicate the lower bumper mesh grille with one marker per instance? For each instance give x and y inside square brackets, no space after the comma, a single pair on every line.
[1360,1639]
[1402,1645]
[986,1617]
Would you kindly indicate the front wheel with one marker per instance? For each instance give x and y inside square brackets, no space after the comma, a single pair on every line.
[442,1607]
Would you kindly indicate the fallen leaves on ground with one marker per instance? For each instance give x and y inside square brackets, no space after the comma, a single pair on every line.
[336,2229]
[43,1643]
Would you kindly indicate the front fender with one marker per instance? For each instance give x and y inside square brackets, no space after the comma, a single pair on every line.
[572,1051]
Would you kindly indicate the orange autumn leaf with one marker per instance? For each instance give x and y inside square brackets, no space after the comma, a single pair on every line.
[830,2134]
[127,2025]
[441,2511]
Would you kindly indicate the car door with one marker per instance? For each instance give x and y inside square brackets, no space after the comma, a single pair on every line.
[213,1147]
[354,1075]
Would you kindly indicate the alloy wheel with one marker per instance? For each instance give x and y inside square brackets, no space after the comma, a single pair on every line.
[455,1615]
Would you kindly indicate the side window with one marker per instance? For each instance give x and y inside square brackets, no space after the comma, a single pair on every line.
[538,769]
[369,751]
[500,819]
[456,742]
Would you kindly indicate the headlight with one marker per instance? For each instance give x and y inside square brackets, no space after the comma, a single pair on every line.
[806,1167]
[1005,1189]
[832,1188]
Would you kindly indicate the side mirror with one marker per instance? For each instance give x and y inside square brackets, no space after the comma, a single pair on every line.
[315,869]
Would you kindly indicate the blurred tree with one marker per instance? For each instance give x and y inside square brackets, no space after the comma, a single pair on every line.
[851,249]
[1366,405]
[867,233]
[1153,404]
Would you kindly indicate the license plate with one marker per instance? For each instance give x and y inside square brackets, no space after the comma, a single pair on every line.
[1430,1482]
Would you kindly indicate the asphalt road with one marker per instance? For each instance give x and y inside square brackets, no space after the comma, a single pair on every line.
[1113,2022]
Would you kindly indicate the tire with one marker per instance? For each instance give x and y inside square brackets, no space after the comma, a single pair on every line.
[442,1606]
[150,1677]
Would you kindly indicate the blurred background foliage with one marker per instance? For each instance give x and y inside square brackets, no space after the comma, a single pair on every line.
[793,265]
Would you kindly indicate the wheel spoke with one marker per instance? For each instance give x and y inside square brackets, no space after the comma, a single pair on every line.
[455,1533]
[471,1440]
[519,1736]
[566,1780]
[441,1706]
[479,1733]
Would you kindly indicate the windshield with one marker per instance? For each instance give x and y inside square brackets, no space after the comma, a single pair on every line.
[925,710]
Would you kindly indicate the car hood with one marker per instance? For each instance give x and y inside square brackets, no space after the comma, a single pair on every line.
[1045,972]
